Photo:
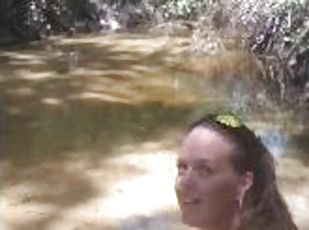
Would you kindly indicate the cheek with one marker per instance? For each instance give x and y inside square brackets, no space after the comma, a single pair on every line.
[219,190]
[180,187]
[218,194]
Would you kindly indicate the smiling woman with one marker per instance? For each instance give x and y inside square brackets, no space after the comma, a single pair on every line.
[226,179]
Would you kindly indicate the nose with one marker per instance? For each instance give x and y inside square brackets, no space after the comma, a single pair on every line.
[186,180]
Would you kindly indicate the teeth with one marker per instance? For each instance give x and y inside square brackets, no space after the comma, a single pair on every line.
[193,201]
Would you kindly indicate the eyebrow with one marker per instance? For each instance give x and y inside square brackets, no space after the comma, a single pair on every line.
[206,162]
[200,161]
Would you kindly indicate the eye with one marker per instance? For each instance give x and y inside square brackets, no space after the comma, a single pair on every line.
[181,167]
[204,170]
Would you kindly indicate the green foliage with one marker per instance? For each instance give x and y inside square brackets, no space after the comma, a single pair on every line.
[187,9]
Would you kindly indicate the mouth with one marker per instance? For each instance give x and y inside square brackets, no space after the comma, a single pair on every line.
[191,201]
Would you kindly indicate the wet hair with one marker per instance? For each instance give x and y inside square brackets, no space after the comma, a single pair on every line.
[263,205]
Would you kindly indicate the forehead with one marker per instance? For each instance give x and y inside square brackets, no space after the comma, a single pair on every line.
[205,144]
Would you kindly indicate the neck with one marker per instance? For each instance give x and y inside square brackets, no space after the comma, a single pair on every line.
[231,223]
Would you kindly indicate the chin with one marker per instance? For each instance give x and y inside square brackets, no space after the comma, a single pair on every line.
[193,220]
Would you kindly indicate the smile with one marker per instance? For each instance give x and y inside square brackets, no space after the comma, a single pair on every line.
[191,201]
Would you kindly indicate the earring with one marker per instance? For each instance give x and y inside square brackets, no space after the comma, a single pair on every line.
[240,203]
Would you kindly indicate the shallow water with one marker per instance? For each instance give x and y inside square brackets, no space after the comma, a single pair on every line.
[90,126]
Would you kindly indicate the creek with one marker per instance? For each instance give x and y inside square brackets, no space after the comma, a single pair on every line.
[90,127]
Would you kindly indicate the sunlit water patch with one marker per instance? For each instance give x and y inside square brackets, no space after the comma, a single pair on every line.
[139,184]
[88,120]
[134,190]
[146,194]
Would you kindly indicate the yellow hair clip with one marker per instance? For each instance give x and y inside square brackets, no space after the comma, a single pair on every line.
[228,120]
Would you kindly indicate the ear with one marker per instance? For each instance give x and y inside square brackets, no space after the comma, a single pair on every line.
[246,182]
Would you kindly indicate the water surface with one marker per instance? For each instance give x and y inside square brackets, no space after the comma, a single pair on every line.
[90,127]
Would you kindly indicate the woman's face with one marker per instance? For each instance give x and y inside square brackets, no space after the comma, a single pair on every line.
[207,186]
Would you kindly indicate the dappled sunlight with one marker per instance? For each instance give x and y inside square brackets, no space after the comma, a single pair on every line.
[18,58]
[22,91]
[51,101]
[91,124]
[131,190]
[113,68]
[299,204]
[138,181]
[294,182]
[44,192]
[145,194]
[123,42]
[100,97]
[28,75]
[127,69]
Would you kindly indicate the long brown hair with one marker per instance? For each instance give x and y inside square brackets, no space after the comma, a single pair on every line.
[263,207]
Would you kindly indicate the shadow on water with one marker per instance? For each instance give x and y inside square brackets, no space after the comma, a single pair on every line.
[300,143]
[66,110]
[100,128]
[90,93]
[88,126]
[65,93]
[52,188]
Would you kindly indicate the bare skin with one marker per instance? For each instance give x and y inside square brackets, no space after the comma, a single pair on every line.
[208,189]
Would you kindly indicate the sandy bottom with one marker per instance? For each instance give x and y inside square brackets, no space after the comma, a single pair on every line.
[133,190]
